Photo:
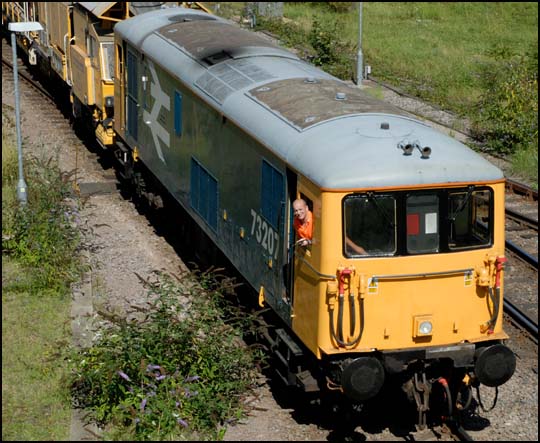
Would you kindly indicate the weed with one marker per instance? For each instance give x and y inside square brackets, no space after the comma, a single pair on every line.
[179,371]
[507,114]
[42,234]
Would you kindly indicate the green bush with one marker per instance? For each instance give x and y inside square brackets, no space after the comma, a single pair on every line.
[332,55]
[42,235]
[290,34]
[340,6]
[507,114]
[179,372]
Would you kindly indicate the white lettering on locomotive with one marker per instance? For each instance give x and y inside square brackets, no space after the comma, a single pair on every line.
[161,99]
[264,234]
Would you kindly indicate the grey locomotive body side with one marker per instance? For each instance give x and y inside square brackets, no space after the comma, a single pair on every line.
[222,118]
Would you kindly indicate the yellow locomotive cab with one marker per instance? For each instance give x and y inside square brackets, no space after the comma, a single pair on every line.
[428,279]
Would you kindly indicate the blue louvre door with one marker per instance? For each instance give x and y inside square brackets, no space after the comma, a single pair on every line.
[177,113]
[132,95]
[272,194]
[204,193]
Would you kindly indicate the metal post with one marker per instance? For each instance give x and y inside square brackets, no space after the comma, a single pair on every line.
[360,60]
[21,185]
[13,28]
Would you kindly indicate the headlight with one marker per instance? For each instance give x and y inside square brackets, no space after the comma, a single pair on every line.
[109,101]
[422,326]
[425,328]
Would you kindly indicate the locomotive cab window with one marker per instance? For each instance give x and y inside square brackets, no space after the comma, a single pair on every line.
[107,61]
[422,223]
[369,225]
[91,48]
[470,219]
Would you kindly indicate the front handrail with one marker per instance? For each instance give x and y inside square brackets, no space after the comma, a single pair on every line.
[423,274]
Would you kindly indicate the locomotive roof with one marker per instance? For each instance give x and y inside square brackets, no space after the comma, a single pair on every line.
[335,134]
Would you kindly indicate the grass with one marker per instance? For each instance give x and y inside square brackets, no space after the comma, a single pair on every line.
[525,163]
[433,49]
[36,403]
[204,370]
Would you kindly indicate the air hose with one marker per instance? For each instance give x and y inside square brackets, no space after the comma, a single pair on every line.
[444,384]
[499,264]
[341,302]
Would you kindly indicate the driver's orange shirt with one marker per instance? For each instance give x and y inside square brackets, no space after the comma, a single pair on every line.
[304,230]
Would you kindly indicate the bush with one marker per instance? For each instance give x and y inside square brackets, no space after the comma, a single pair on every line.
[507,114]
[42,235]
[333,55]
[341,7]
[179,371]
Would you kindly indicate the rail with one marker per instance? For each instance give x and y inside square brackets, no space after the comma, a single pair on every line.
[521,189]
[521,319]
[522,219]
[521,254]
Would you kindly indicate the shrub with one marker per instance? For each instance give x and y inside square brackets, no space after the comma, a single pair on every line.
[341,7]
[42,234]
[507,114]
[333,55]
[179,371]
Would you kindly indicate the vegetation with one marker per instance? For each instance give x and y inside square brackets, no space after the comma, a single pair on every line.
[464,57]
[40,236]
[36,403]
[38,263]
[180,373]
[507,113]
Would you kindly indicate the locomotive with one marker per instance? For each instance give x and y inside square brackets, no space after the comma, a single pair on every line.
[236,129]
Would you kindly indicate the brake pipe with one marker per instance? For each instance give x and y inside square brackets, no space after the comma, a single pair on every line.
[496,300]
[342,273]
[444,384]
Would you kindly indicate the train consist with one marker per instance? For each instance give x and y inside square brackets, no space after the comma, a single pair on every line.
[236,128]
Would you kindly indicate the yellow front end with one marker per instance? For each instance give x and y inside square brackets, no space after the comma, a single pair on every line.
[398,302]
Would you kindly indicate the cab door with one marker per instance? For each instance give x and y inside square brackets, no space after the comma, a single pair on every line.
[289,238]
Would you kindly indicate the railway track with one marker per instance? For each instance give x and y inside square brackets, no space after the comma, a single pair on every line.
[521,275]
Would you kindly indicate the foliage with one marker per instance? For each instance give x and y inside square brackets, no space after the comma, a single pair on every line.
[525,163]
[335,56]
[178,371]
[507,113]
[319,45]
[35,402]
[290,34]
[42,234]
[340,6]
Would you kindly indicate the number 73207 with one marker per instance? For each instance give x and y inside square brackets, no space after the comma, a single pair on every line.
[264,234]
